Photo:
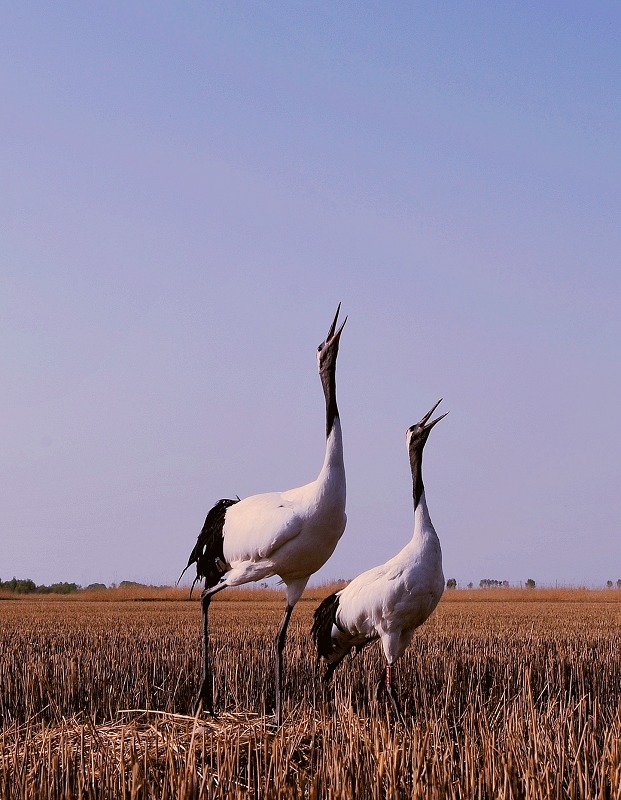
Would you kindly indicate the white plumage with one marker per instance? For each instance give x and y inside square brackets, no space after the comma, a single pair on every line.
[290,534]
[390,601]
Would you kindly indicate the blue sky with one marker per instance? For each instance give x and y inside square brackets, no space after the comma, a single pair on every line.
[188,190]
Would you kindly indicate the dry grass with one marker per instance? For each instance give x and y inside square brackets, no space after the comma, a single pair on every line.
[507,694]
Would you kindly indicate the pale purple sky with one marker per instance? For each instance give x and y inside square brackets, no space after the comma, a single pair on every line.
[187,192]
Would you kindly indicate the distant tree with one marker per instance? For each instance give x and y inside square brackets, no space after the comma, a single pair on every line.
[96,587]
[451,583]
[19,586]
[488,583]
[505,584]
[530,584]
[27,586]
[609,584]
[619,584]
[470,585]
[58,588]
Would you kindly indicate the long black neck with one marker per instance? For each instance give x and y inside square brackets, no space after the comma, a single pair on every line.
[328,381]
[416,463]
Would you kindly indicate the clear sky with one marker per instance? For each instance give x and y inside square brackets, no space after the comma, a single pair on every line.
[187,192]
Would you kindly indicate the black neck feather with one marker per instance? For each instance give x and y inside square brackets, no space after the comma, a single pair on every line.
[328,381]
[416,463]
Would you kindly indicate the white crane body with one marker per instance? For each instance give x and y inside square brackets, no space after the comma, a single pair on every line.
[390,601]
[290,534]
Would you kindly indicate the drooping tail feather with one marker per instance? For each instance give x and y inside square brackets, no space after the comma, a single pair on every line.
[323,620]
[208,552]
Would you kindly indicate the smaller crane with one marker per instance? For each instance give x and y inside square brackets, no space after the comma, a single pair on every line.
[390,601]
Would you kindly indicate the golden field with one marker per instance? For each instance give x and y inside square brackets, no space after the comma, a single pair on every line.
[507,693]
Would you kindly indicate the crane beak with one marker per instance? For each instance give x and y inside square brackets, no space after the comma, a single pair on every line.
[424,423]
[333,333]
[429,413]
[429,425]
[436,420]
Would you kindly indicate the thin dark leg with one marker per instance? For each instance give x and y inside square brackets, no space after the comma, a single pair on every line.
[327,677]
[205,693]
[327,695]
[380,686]
[280,646]
[392,693]
[384,684]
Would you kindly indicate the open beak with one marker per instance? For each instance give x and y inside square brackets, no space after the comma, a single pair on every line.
[424,421]
[429,426]
[331,332]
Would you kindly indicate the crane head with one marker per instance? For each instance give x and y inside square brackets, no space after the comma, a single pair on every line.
[329,348]
[416,435]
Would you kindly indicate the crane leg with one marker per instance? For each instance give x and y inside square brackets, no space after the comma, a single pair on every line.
[385,685]
[280,646]
[330,669]
[327,676]
[327,695]
[380,686]
[205,693]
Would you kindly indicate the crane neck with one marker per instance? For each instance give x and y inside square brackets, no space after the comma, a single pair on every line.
[328,381]
[331,483]
[334,447]
[416,465]
[424,534]
[421,512]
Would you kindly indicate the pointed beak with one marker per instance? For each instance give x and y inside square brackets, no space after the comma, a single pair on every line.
[429,425]
[429,413]
[424,423]
[435,421]
[331,333]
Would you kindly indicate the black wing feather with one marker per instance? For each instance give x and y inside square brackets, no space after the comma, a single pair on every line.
[323,620]
[208,552]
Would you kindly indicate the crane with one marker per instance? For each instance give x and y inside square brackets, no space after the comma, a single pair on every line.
[390,601]
[290,534]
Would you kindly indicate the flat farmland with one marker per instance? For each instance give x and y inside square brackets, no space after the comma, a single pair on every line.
[507,693]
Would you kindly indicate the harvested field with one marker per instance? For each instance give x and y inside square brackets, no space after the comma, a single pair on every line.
[507,693]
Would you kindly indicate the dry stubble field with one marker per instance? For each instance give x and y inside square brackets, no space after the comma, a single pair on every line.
[507,694]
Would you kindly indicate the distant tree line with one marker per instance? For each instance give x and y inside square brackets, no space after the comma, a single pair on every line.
[27,586]
[488,583]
